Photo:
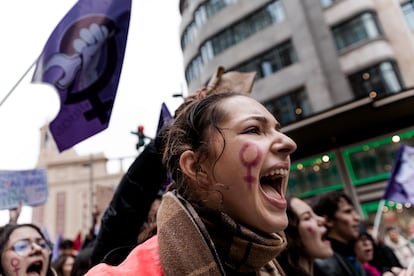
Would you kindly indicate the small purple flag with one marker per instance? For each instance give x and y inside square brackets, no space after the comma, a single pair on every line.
[83,59]
[55,250]
[165,117]
[400,186]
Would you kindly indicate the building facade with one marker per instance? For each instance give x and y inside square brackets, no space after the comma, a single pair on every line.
[77,186]
[337,74]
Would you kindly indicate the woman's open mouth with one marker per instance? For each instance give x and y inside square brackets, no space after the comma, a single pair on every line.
[324,236]
[35,268]
[271,185]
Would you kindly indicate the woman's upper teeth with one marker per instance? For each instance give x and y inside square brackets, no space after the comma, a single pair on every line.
[277,172]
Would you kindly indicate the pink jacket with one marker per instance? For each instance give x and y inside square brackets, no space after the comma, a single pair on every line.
[143,260]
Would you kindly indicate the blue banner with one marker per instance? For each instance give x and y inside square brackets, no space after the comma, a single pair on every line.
[27,186]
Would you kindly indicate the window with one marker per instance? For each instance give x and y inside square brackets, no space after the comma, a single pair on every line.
[408,10]
[326,3]
[214,6]
[276,11]
[360,28]
[262,18]
[203,12]
[207,51]
[194,70]
[271,61]
[270,14]
[376,81]
[189,34]
[291,107]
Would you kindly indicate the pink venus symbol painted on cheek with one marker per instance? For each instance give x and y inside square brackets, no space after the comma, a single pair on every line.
[15,263]
[250,157]
[310,230]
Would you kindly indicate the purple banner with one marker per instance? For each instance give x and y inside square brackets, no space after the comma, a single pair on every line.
[83,59]
[400,186]
[27,186]
[165,117]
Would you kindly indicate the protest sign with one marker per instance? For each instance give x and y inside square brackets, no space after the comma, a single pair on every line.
[27,186]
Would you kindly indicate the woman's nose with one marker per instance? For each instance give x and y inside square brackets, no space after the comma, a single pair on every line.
[284,144]
[36,247]
[320,220]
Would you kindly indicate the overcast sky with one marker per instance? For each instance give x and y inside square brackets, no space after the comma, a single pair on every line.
[151,74]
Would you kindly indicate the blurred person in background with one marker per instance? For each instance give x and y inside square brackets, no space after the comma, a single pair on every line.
[403,248]
[63,265]
[384,258]
[366,252]
[24,251]
[66,248]
[306,240]
[82,262]
[342,221]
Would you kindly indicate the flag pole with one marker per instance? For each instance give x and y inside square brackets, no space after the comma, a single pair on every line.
[17,83]
[378,219]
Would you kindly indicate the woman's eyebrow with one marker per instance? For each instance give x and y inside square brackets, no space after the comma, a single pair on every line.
[260,118]
[264,120]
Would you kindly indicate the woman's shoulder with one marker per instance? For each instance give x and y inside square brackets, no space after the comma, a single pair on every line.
[144,259]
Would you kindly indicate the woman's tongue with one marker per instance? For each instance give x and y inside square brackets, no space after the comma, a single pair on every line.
[271,192]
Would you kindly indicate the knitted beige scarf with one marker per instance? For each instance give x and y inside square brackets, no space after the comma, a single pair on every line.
[187,248]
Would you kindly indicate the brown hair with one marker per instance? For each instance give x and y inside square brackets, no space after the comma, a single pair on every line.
[327,204]
[190,131]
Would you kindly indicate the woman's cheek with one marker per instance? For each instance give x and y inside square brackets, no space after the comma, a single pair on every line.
[308,232]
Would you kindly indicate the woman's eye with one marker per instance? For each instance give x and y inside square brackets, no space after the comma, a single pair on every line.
[20,245]
[254,130]
[42,243]
[306,218]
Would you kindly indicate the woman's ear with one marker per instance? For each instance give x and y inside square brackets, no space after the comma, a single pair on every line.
[188,164]
[190,167]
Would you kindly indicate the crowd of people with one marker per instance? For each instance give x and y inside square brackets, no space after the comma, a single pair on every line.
[225,211]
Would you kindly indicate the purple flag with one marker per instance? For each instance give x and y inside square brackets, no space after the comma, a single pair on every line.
[83,59]
[400,186]
[55,249]
[165,117]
